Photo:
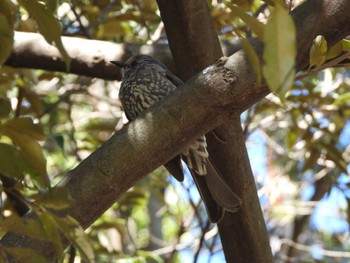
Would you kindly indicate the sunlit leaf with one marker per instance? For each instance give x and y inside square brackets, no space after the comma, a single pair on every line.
[150,256]
[345,45]
[343,99]
[318,51]
[48,25]
[107,222]
[280,51]
[334,51]
[255,25]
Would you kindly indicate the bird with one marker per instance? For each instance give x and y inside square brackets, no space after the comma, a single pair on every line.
[145,80]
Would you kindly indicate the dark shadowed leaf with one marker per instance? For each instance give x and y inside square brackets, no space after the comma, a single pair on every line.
[5,107]
[253,58]
[52,231]
[12,162]
[54,198]
[23,254]
[24,226]
[6,38]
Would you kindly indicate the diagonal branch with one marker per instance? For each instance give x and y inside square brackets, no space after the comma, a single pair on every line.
[200,105]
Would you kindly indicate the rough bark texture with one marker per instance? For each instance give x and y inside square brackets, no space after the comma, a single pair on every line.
[197,107]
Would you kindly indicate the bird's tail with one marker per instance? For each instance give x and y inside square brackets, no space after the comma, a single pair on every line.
[216,194]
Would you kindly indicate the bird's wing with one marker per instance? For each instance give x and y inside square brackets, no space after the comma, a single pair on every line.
[175,80]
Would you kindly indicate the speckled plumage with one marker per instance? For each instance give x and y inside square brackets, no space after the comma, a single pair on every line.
[146,81]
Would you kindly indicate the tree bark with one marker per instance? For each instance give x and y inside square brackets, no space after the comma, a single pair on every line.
[200,105]
[89,57]
[195,45]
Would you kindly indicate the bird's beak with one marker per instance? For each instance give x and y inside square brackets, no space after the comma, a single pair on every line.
[120,64]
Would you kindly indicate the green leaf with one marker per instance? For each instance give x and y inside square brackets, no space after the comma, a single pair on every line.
[343,99]
[25,226]
[48,25]
[253,58]
[51,5]
[76,235]
[256,26]
[150,256]
[135,197]
[6,38]
[12,162]
[334,51]
[318,51]
[26,126]
[23,254]
[5,106]
[52,231]
[345,45]
[8,9]
[16,129]
[54,198]
[280,51]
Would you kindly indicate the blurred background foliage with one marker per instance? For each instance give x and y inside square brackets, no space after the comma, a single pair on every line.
[50,121]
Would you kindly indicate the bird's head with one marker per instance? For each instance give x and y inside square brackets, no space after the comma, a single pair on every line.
[138,61]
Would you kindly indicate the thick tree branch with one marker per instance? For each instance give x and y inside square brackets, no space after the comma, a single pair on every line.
[89,57]
[192,38]
[189,28]
[200,105]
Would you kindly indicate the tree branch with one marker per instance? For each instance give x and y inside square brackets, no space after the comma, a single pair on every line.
[200,105]
[189,28]
[89,57]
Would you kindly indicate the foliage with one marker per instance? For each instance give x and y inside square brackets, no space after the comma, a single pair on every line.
[50,121]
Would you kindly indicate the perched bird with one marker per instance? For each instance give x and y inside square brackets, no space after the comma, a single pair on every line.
[146,81]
